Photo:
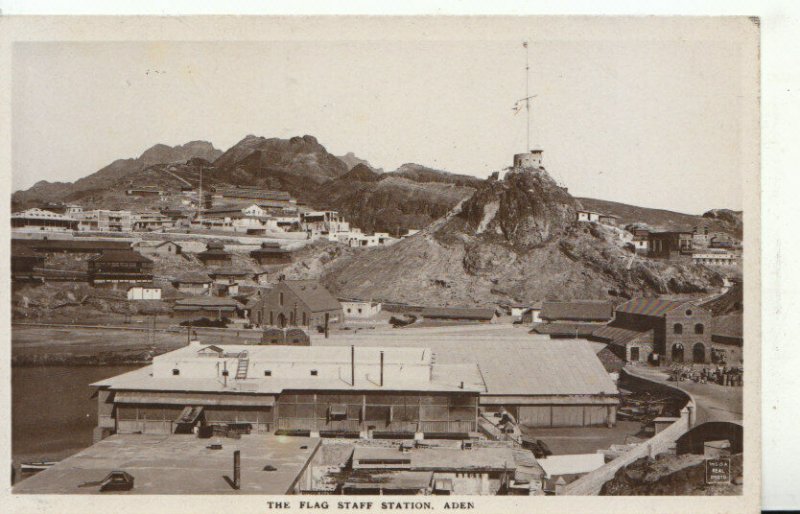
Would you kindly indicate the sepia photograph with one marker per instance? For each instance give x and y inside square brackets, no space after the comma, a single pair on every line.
[330,257]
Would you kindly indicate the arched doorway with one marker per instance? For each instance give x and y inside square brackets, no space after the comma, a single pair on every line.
[677,352]
[698,353]
[282,320]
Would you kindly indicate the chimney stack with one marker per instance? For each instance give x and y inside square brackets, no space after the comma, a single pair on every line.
[237,470]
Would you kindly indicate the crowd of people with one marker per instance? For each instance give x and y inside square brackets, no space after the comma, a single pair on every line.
[725,376]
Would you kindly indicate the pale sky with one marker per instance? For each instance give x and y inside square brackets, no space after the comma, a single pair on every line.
[658,120]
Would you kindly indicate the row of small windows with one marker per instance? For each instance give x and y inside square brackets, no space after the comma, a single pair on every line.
[678,328]
[267,373]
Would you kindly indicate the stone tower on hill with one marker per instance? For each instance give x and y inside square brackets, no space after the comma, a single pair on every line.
[528,160]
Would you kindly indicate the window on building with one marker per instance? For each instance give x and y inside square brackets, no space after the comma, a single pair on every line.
[176,371]
[305,319]
[314,373]
[699,328]
[688,312]
[271,321]
[677,328]
[267,373]
[280,299]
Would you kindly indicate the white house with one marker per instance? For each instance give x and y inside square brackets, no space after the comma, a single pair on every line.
[144,293]
[255,211]
[360,308]
[364,241]
[532,314]
[583,215]
[39,219]
[712,258]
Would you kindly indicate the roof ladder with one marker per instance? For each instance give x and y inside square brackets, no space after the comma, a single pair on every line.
[244,363]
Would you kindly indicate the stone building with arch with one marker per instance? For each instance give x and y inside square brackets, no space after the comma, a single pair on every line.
[296,303]
[659,331]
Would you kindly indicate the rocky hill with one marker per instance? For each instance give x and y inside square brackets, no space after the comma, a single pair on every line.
[670,475]
[388,202]
[722,220]
[111,181]
[298,165]
[514,239]
[351,160]
[419,173]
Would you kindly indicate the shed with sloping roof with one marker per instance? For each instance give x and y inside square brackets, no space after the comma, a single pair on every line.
[585,311]
[486,315]
[548,383]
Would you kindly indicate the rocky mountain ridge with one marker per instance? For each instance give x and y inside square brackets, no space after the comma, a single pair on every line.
[514,239]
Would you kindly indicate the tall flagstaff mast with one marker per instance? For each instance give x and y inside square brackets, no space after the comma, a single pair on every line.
[527,99]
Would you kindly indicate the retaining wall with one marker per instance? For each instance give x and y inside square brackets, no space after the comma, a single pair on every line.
[591,483]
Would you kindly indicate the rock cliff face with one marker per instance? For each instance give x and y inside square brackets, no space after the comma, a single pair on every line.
[514,239]
[296,165]
[388,203]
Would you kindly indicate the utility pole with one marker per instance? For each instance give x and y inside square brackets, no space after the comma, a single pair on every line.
[200,196]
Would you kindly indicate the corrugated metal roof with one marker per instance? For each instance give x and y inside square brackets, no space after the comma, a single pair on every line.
[178,398]
[553,367]
[458,313]
[193,277]
[121,256]
[731,326]
[619,335]
[436,459]
[206,301]
[565,329]
[649,306]
[77,245]
[390,480]
[577,311]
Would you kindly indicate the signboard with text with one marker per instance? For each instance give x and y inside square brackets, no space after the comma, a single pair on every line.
[718,471]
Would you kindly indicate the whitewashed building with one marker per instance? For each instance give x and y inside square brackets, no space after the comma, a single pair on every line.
[584,215]
[144,293]
[42,220]
[357,309]
[715,258]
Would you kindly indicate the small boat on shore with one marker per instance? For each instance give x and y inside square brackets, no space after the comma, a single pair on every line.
[32,467]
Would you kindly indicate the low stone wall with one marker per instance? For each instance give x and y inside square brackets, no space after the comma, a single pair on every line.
[591,483]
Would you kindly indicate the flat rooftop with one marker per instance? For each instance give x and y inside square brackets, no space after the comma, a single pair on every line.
[445,378]
[511,361]
[179,464]
[324,354]
[433,459]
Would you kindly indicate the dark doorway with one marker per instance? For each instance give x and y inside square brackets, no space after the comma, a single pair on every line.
[699,353]
[677,352]
[282,320]
[635,354]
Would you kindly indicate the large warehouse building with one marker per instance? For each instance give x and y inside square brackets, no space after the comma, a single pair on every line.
[337,389]
[550,383]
